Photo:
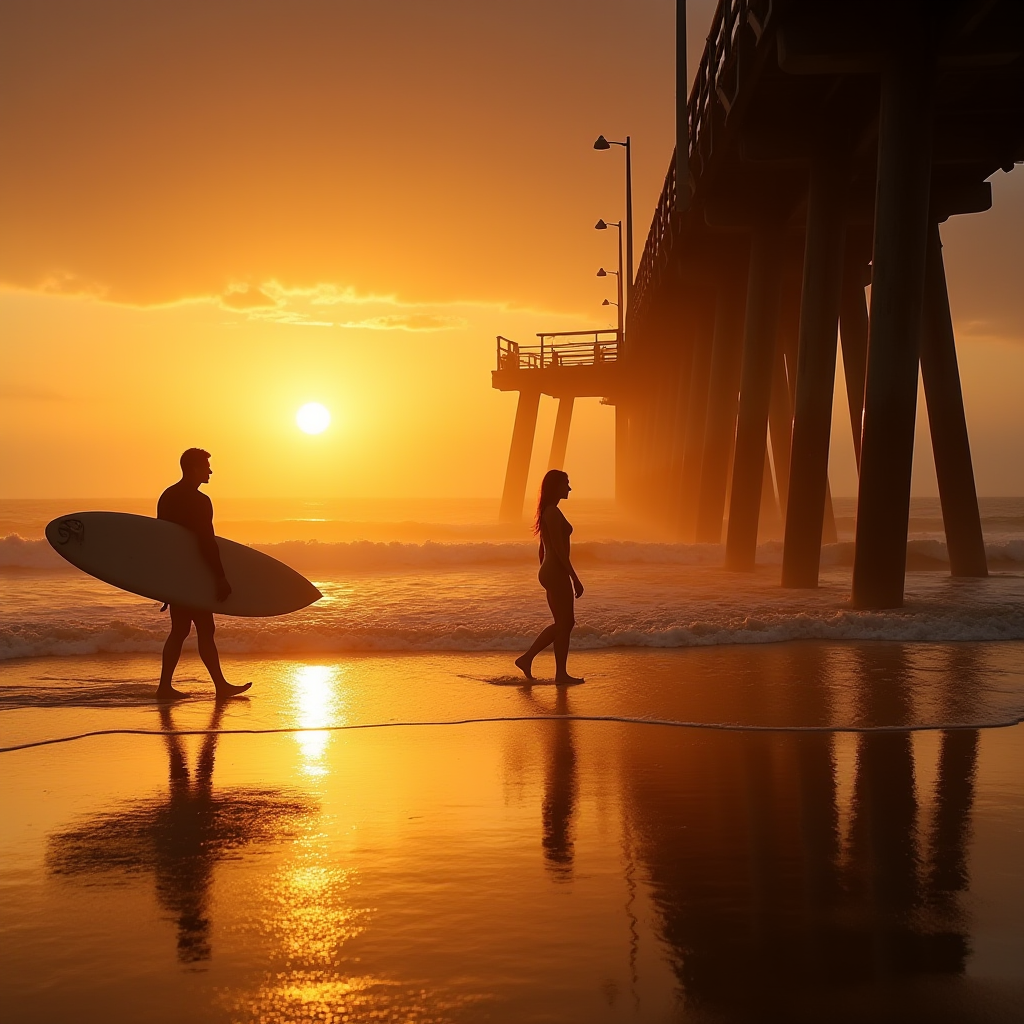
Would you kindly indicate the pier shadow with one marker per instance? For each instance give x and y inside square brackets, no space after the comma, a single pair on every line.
[790,882]
[178,839]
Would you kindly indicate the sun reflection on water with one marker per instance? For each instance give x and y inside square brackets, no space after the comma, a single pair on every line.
[318,699]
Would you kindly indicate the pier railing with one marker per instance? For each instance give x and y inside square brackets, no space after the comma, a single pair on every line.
[587,348]
[716,87]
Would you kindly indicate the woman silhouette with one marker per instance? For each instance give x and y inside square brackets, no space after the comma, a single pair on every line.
[557,576]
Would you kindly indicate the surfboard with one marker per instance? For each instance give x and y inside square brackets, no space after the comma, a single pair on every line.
[160,560]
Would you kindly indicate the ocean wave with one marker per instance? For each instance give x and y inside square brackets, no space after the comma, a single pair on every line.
[939,624]
[397,557]
[18,553]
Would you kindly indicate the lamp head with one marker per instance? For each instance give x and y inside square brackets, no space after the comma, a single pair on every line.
[606,303]
[600,226]
[602,143]
[602,272]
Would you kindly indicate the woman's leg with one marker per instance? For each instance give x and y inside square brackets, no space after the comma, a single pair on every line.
[560,600]
[544,639]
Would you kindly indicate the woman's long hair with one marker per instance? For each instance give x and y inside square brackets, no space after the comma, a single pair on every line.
[549,488]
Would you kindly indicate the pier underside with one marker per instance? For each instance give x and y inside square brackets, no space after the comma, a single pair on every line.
[826,145]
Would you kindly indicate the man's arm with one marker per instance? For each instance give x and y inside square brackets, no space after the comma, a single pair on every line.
[211,553]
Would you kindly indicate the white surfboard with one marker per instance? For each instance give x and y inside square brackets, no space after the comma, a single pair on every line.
[162,561]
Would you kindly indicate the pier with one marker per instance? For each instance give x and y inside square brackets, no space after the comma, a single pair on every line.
[825,146]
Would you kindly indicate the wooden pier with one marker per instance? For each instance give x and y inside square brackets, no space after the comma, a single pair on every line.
[826,144]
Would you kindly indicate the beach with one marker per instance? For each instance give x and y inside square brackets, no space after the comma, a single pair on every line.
[594,589]
[796,829]
[760,805]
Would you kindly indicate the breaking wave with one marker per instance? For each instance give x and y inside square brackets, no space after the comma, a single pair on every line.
[396,557]
[284,637]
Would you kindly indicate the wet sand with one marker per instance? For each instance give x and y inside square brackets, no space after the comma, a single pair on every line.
[830,831]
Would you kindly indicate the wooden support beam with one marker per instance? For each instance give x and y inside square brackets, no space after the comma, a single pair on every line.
[680,421]
[829,533]
[894,340]
[696,418]
[518,469]
[560,438]
[768,520]
[780,411]
[816,370]
[638,438]
[723,392]
[853,330]
[663,439]
[621,455]
[780,426]
[948,425]
[759,330]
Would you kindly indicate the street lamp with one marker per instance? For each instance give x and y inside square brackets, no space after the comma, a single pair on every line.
[602,225]
[601,144]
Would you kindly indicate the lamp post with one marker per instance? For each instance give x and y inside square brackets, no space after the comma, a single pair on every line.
[607,302]
[602,225]
[603,143]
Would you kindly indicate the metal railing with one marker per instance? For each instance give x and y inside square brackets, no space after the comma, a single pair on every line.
[657,237]
[718,80]
[598,348]
[716,85]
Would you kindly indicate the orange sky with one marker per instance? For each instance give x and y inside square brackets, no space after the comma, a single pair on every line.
[214,211]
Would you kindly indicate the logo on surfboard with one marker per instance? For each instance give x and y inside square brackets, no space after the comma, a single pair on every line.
[68,529]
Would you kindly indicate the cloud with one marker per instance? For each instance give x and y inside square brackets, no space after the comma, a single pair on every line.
[65,284]
[270,301]
[306,306]
[409,322]
[247,297]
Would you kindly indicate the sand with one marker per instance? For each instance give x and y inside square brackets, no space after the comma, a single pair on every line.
[565,868]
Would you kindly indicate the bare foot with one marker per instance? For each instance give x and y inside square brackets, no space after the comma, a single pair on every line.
[568,680]
[225,690]
[169,693]
[525,665]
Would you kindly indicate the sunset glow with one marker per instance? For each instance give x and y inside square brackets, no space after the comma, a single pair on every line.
[402,618]
[378,272]
[313,418]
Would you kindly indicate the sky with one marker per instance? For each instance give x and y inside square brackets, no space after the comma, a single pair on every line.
[213,212]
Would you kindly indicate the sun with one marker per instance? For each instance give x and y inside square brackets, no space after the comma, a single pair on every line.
[313,418]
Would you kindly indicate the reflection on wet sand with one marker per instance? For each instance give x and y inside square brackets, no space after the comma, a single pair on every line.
[740,836]
[560,793]
[698,875]
[180,839]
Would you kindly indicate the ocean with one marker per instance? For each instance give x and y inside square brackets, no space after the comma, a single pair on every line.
[442,576]
[392,826]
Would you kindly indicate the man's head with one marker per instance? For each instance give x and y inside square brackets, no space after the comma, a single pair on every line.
[195,466]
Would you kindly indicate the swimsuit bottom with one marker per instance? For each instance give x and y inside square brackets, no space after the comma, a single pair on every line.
[554,578]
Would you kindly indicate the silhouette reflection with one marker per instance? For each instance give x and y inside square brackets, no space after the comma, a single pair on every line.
[764,907]
[560,791]
[561,785]
[958,762]
[180,839]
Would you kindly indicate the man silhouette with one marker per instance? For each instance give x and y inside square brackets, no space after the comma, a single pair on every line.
[183,503]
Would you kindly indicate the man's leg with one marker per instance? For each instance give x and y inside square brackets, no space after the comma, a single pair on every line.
[211,658]
[181,626]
